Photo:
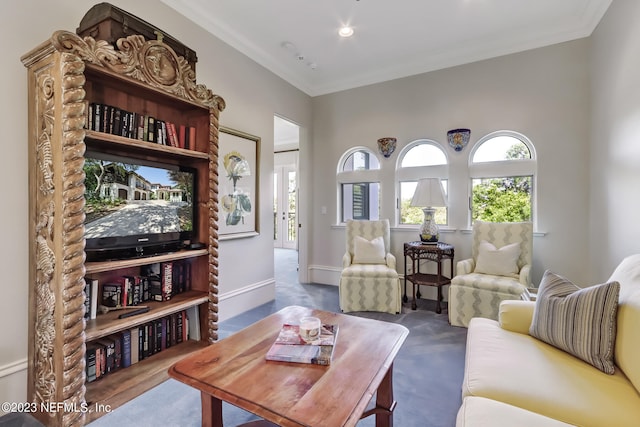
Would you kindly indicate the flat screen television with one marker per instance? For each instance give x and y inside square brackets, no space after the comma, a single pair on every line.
[136,208]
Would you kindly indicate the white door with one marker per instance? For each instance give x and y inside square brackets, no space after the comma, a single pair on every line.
[285,184]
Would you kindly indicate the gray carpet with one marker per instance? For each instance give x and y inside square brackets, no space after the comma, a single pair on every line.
[427,371]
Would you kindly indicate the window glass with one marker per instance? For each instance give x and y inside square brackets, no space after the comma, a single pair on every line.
[415,215]
[359,186]
[423,155]
[501,148]
[502,191]
[506,199]
[360,160]
[360,201]
[420,159]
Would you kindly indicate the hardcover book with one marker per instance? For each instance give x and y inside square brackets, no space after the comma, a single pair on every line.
[90,363]
[112,294]
[167,280]
[290,347]
[87,298]
[135,344]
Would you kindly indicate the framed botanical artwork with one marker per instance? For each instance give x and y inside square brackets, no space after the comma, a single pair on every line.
[239,179]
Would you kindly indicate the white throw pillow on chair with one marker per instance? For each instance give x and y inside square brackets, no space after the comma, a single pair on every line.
[498,262]
[368,251]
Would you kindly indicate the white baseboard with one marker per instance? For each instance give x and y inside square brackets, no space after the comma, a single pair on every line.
[240,300]
[13,382]
[13,367]
[324,275]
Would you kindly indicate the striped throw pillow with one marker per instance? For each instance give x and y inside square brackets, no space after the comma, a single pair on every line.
[580,321]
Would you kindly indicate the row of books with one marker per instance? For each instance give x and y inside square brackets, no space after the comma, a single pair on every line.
[116,121]
[128,347]
[157,282]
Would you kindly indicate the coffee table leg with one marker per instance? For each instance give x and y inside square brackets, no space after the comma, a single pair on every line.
[211,411]
[384,401]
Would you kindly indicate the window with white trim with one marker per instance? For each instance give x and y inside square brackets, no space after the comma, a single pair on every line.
[502,168]
[359,185]
[420,159]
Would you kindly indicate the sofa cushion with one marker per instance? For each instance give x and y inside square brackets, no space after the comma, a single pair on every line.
[516,316]
[368,251]
[523,371]
[481,412]
[581,321]
[627,354]
[498,261]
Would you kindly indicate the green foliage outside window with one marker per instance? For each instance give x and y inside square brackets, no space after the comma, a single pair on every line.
[413,215]
[502,199]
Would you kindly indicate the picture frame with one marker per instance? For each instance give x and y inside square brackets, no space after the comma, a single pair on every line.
[239,184]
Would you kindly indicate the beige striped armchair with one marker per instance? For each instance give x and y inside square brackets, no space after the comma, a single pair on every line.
[500,269]
[369,280]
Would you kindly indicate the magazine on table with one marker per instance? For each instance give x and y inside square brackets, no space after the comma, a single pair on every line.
[290,347]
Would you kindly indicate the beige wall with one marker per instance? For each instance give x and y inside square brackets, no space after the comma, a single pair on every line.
[615,144]
[542,93]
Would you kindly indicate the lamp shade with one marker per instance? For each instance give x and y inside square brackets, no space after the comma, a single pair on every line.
[429,192]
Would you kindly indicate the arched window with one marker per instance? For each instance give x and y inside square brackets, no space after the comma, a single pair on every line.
[502,168]
[358,179]
[420,159]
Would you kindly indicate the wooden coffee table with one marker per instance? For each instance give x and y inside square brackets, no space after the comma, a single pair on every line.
[235,370]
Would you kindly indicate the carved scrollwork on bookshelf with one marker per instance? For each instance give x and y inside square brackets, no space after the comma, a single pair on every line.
[44,330]
[58,373]
[72,210]
[151,62]
[212,321]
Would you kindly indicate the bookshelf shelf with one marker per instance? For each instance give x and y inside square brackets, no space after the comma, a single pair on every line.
[66,75]
[107,324]
[113,390]
[104,142]
[99,267]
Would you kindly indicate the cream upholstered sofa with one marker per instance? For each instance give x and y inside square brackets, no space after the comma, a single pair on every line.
[514,379]
[499,269]
[369,280]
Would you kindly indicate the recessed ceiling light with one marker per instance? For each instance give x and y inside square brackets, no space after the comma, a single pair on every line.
[345,31]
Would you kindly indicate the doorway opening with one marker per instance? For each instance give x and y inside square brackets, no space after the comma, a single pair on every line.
[285,185]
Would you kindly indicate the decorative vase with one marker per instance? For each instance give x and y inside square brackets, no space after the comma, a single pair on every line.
[387,146]
[429,232]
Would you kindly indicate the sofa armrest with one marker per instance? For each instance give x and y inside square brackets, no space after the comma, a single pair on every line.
[465,266]
[346,260]
[391,260]
[525,275]
[516,316]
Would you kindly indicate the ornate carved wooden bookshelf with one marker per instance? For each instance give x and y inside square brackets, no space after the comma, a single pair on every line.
[65,74]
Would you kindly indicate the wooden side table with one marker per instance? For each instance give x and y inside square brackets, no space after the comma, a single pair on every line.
[418,251]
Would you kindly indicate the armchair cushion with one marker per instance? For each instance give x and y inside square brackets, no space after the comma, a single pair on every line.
[368,251]
[498,261]
[581,322]
[465,266]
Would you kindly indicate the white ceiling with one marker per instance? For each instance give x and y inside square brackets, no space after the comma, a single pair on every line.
[392,39]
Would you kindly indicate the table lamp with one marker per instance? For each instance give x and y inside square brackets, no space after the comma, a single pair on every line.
[429,194]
